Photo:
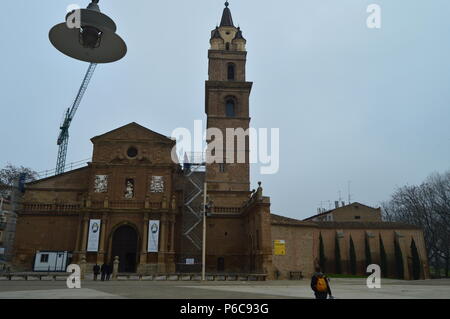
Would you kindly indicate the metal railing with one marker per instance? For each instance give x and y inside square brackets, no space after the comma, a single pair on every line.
[68,167]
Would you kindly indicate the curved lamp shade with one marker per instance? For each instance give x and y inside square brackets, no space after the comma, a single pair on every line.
[95,41]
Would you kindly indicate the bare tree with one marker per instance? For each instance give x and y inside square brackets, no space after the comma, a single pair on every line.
[427,206]
[10,175]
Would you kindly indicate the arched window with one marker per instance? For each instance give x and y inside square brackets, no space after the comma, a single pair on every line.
[230,108]
[230,72]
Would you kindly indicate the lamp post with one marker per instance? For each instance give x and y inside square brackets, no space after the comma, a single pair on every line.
[88,35]
[204,233]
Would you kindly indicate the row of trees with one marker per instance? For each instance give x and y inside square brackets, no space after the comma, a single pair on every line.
[427,206]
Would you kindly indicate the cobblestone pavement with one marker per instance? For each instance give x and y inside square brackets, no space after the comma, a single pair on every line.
[342,289]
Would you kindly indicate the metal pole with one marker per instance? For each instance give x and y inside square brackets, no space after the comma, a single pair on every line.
[204,234]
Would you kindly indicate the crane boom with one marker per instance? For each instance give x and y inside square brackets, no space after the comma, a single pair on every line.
[63,138]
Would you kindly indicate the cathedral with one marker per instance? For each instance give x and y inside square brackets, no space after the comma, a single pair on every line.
[134,204]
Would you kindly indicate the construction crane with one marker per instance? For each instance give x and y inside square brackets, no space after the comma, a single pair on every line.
[63,138]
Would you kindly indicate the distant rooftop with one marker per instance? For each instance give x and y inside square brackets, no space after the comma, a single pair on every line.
[334,209]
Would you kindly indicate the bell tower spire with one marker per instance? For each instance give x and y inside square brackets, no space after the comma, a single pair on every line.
[227,19]
[227,108]
[226,36]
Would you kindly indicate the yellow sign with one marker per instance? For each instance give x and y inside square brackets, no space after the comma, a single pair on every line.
[279,247]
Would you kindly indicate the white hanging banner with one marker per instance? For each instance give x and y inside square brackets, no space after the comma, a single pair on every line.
[153,236]
[94,235]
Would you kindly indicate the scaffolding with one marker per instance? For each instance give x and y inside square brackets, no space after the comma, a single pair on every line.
[194,168]
[194,172]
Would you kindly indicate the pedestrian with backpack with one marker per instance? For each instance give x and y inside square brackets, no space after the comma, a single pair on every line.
[320,284]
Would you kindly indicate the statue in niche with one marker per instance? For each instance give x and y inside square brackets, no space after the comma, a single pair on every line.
[101,184]
[157,184]
[129,189]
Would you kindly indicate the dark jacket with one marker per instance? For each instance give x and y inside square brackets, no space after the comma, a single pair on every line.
[314,282]
[110,269]
[104,268]
[96,269]
[107,269]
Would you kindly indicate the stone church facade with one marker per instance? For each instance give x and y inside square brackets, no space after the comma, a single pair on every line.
[134,191]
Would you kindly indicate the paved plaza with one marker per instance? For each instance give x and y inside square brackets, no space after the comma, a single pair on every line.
[342,289]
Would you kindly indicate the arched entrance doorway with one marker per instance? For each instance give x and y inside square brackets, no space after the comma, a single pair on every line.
[125,245]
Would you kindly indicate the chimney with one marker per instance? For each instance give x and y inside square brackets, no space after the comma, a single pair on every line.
[336,204]
[343,204]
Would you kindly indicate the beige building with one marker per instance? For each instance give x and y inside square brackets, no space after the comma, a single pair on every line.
[348,213]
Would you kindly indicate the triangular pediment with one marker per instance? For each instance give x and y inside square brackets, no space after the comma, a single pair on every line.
[132,132]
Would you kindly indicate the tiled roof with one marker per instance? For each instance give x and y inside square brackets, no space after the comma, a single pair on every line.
[365,225]
[332,210]
[281,220]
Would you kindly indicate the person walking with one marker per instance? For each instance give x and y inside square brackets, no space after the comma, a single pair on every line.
[96,271]
[320,284]
[108,272]
[103,270]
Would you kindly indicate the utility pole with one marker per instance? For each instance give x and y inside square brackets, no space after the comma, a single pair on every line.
[204,233]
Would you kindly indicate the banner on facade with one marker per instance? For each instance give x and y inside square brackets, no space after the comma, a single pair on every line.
[279,247]
[190,261]
[153,236]
[94,235]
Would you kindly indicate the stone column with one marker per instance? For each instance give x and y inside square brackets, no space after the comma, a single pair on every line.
[172,239]
[265,237]
[77,243]
[162,244]
[343,251]
[420,243]
[405,253]
[101,250]
[170,255]
[85,234]
[373,247]
[143,257]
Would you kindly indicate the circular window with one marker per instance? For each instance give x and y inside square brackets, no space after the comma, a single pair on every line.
[132,152]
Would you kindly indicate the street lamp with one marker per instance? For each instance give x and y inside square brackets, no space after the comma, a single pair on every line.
[88,35]
[205,210]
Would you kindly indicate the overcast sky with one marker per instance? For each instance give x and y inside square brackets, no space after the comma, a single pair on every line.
[352,104]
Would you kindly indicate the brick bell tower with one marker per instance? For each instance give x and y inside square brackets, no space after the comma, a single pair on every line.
[227,106]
